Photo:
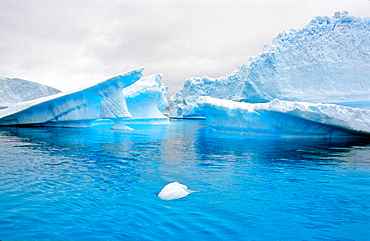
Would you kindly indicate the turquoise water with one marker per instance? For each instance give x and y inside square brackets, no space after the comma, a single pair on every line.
[100,184]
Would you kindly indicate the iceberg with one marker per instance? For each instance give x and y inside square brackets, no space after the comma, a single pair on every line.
[91,105]
[146,98]
[283,118]
[14,90]
[327,61]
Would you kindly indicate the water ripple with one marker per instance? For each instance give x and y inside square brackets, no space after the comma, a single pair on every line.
[98,184]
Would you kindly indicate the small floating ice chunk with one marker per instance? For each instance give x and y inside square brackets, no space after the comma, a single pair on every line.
[119,125]
[174,190]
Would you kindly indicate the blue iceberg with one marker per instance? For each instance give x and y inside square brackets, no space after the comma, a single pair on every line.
[94,104]
[327,61]
[146,98]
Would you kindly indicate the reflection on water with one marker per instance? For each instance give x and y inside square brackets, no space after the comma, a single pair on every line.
[61,183]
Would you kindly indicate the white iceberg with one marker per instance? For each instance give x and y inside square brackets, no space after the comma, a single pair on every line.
[87,106]
[284,118]
[327,61]
[13,90]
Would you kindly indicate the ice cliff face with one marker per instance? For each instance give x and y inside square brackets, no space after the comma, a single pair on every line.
[284,118]
[327,61]
[14,90]
[83,107]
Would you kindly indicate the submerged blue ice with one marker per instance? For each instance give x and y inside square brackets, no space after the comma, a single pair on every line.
[327,61]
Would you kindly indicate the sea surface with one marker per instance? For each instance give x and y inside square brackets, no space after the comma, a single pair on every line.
[101,184]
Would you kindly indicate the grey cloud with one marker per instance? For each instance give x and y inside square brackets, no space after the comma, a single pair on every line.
[70,43]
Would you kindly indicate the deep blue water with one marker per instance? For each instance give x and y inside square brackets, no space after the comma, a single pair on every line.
[100,184]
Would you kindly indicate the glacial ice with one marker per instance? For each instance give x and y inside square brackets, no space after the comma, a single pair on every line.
[327,61]
[91,105]
[283,118]
[13,90]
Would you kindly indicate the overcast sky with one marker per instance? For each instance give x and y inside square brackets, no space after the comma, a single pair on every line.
[68,44]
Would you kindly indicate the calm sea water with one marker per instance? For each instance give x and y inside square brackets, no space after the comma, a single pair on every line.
[100,184]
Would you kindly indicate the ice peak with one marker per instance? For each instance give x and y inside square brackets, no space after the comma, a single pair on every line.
[14,90]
